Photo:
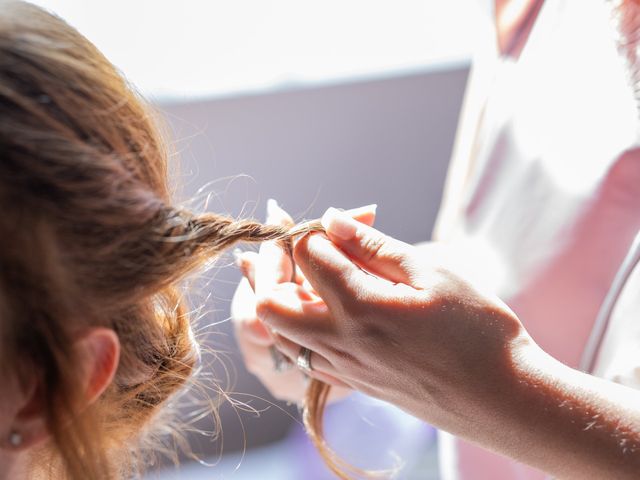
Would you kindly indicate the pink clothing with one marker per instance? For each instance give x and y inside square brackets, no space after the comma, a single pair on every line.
[547,170]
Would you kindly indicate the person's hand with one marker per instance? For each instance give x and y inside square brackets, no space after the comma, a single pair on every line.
[398,325]
[262,272]
[395,324]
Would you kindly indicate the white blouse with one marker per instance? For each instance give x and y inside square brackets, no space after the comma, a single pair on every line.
[543,194]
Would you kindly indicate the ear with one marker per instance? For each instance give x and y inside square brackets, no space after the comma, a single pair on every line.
[99,350]
[25,426]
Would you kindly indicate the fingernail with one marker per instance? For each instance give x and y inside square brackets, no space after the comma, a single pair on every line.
[339,224]
[373,208]
[237,257]
[366,209]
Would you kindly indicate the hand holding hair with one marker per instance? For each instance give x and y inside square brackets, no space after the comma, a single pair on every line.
[262,272]
[405,329]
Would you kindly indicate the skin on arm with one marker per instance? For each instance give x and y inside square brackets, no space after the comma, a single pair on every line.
[403,328]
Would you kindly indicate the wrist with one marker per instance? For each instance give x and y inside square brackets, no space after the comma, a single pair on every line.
[507,400]
[566,422]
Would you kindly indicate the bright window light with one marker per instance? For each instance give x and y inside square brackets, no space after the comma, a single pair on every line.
[215,47]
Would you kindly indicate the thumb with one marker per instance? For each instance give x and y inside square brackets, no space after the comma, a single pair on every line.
[374,251]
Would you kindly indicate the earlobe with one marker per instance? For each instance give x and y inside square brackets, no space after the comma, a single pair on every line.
[100,351]
[28,426]
[34,433]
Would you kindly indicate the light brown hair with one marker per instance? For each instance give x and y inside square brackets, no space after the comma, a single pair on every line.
[89,237]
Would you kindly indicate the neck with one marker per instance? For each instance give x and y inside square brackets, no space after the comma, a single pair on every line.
[12,466]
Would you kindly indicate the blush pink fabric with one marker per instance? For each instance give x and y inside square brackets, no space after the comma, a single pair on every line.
[549,194]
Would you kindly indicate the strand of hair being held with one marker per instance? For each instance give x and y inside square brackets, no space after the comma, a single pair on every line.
[207,235]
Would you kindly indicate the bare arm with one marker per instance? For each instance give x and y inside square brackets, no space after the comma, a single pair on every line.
[562,421]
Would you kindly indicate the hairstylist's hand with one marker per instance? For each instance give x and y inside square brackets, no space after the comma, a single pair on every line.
[409,332]
[402,327]
[262,272]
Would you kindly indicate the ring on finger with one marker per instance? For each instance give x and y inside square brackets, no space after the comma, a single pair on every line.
[303,361]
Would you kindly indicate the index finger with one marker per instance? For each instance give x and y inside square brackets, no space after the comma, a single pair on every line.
[274,265]
[329,271]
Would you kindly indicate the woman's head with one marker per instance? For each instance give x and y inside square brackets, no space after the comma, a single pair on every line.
[94,334]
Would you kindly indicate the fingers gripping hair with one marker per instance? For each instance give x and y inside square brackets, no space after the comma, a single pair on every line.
[189,237]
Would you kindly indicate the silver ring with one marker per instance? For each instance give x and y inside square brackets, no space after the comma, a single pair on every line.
[304,360]
[280,362]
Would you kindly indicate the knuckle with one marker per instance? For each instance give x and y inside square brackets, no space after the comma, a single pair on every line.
[336,354]
[351,308]
[311,250]
[371,333]
[357,300]
[369,325]
[347,285]
[347,362]
[373,245]
[264,305]
[314,342]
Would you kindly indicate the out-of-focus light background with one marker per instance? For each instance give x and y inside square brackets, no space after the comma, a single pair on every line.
[317,104]
[198,48]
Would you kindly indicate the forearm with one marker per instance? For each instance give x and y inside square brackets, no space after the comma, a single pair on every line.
[422,337]
[545,414]
[565,422]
